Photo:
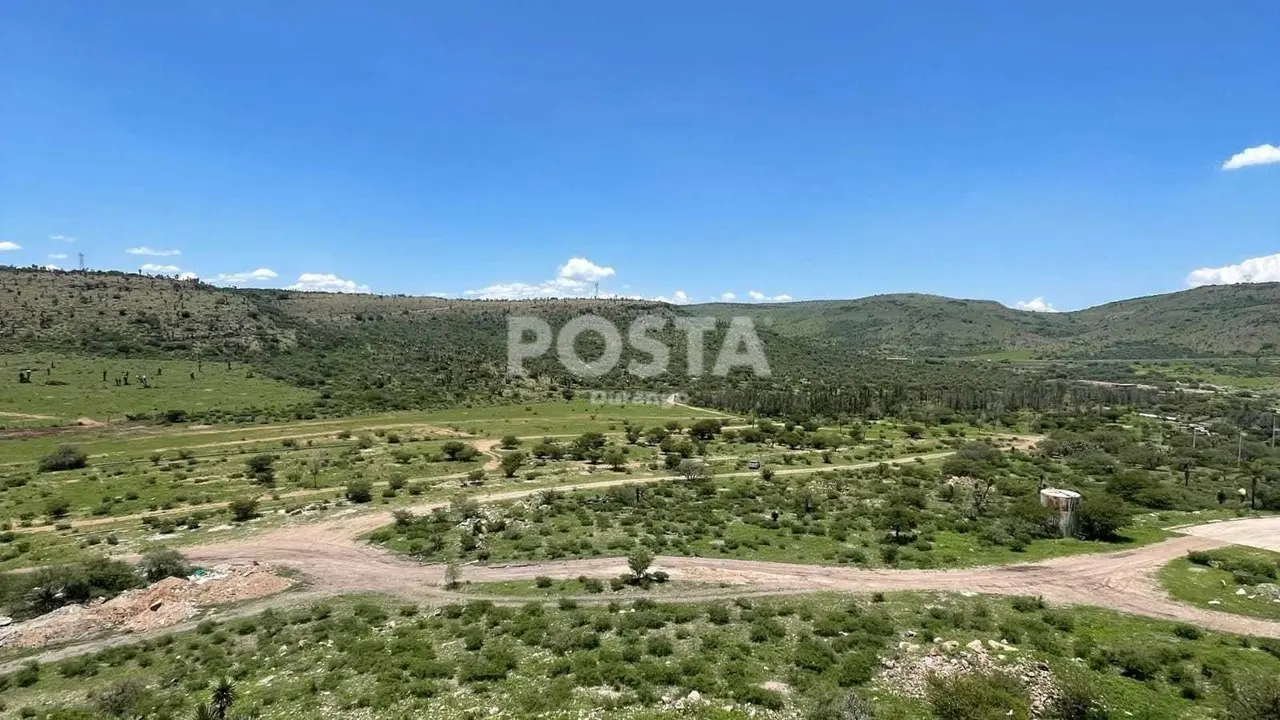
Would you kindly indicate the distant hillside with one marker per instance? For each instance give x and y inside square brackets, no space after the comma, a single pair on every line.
[405,352]
[1217,321]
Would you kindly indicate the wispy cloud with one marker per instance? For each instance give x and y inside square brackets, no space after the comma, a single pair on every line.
[144,250]
[678,297]
[728,297]
[1035,304]
[326,282]
[1253,270]
[154,269]
[62,238]
[250,277]
[757,296]
[57,256]
[1256,155]
[9,246]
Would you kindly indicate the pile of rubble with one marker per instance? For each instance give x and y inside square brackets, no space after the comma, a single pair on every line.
[165,603]
[909,673]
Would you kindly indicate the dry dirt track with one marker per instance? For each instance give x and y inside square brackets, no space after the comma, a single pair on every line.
[336,562]
[330,553]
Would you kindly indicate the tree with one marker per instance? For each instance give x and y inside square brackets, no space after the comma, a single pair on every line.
[359,490]
[314,466]
[243,509]
[981,496]
[899,520]
[791,439]
[511,462]
[548,448]
[262,468]
[66,457]
[510,442]
[57,508]
[616,457]
[633,433]
[160,563]
[1102,517]
[693,470]
[458,451]
[705,429]
[639,561]
[588,445]
[656,435]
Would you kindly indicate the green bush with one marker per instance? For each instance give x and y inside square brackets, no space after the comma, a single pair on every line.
[66,457]
[359,491]
[977,696]
[161,563]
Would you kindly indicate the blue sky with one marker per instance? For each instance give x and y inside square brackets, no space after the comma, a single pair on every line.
[1070,152]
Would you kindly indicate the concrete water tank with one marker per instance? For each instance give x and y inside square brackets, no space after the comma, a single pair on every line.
[1067,504]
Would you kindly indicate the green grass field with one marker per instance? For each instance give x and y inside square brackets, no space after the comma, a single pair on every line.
[74,388]
[1216,586]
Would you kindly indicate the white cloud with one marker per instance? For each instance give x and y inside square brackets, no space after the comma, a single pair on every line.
[678,297]
[62,238]
[576,278]
[160,269]
[1035,304]
[580,269]
[246,278]
[188,275]
[326,282]
[728,296]
[57,256]
[9,246]
[50,267]
[757,296]
[1253,270]
[144,250]
[1257,155]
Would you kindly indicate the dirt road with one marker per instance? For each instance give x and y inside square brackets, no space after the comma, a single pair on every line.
[337,562]
[331,555]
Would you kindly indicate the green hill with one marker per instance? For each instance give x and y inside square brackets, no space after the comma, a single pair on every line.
[1214,321]
[402,352]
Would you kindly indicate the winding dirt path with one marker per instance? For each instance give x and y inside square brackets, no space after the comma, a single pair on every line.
[331,555]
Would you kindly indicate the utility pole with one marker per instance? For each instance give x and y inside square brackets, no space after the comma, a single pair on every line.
[81,261]
[1240,449]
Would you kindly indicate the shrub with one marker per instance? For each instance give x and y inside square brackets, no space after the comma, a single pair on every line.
[1135,663]
[243,509]
[542,581]
[1188,632]
[977,696]
[1102,518]
[57,508]
[1252,697]
[1077,699]
[66,457]
[161,563]
[359,491]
